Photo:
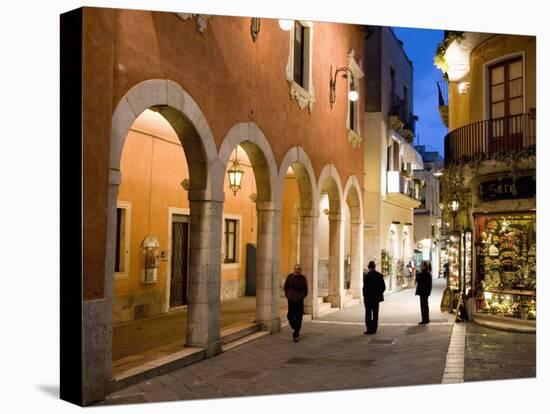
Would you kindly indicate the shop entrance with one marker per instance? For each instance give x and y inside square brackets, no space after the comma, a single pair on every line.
[179,262]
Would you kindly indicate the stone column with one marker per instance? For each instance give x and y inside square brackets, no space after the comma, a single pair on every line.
[203,316]
[336,264]
[356,249]
[98,314]
[267,267]
[309,257]
[293,249]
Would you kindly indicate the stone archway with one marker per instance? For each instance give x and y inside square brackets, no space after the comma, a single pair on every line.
[352,195]
[249,136]
[297,159]
[181,111]
[329,183]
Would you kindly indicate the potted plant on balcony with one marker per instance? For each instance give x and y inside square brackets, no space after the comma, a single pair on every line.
[395,123]
[407,134]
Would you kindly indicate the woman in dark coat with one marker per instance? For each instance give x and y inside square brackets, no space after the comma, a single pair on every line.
[424,289]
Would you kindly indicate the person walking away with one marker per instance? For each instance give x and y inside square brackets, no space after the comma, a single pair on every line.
[295,291]
[424,289]
[373,294]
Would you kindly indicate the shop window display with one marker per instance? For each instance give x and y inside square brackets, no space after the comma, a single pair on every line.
[506,265]
[454,261]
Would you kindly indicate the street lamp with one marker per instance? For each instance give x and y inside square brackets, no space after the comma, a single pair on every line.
[235,175]
[454,208]
[353,94]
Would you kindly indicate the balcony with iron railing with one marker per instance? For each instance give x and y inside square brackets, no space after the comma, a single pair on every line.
[487,139]
[403,189]
[400,107]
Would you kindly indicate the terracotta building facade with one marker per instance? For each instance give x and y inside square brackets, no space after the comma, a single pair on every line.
[169,102]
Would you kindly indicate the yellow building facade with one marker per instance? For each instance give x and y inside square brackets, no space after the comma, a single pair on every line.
[490,175]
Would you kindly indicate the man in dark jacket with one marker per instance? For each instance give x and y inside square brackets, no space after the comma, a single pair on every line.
[373,294]
[424,289]
[295,292]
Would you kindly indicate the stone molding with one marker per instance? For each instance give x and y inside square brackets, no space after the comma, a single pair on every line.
[296,155]
[202,20]
[150,93]
[303,96]
[353,183]
[354,137]
[249,132]
[330,171]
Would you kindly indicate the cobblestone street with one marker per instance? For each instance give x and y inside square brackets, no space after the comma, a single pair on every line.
[335,355]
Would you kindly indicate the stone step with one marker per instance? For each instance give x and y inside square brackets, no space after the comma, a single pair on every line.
[156,367]
[351,302]
[243,340]
[325,308]
[322,299]
[236,332]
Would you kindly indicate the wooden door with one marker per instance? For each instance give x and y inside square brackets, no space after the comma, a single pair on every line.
[179,265]
[506,105]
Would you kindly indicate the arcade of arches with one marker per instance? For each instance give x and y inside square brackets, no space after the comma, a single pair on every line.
[181,245]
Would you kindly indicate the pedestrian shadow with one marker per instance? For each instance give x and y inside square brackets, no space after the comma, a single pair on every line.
[50,389]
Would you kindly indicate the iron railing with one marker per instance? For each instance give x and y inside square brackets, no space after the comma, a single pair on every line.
[486,139]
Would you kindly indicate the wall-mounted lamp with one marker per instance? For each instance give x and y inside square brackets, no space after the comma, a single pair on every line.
[286,25]
[463,87]
[255,28]
[438,174]
[235,175]
[353,94]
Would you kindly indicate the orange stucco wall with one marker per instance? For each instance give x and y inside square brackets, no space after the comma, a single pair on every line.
[290,197]
[231,78]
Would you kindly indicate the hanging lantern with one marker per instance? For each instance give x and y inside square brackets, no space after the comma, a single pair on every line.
[454,204]
[235,175]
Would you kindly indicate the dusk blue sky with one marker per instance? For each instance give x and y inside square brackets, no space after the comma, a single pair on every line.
[420,45]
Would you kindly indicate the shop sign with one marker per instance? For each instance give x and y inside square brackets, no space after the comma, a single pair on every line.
[505,188]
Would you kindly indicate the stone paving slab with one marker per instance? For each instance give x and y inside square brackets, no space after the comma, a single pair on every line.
[493,354]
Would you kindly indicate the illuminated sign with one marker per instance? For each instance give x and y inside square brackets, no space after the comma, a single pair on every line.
[505,188]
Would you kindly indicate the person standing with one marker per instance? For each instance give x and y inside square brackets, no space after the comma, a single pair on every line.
[424,289]
[373,294]
[295,291]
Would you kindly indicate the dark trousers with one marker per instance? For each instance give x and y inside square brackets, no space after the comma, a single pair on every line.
[371,315]
[424,309]
[295,315]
